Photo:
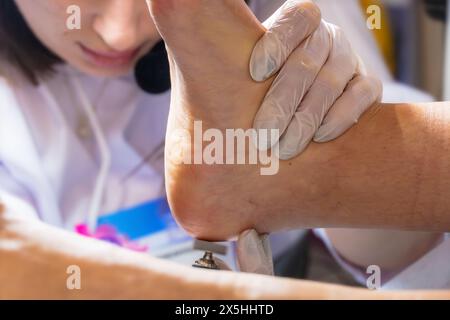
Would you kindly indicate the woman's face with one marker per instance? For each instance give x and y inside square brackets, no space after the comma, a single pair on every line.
[114,34]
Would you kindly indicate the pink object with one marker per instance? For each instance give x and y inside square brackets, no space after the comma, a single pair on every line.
[110,234]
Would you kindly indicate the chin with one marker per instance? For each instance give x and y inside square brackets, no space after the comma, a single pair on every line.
[109,73]
[103,71]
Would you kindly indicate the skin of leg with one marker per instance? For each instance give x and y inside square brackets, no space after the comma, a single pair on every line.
[356,181]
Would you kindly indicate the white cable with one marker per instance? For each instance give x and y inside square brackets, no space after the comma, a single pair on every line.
[446,94]
[105,157]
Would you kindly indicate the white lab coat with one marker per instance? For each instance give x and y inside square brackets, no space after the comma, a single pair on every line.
[49,161]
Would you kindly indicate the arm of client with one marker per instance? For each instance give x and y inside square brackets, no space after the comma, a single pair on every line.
[389,171]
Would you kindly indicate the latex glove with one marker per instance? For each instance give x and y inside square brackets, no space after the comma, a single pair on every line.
[322,87]
[253,253]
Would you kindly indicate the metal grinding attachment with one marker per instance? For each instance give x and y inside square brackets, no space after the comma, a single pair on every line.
[207,261]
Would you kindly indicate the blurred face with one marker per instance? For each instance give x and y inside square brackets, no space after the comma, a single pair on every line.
[114,34]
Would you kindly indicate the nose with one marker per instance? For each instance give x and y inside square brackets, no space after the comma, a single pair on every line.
[118,24]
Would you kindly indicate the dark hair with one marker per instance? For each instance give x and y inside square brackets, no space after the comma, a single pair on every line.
[20,47]
[437,9]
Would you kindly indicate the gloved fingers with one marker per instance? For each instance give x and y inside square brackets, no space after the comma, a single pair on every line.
[288,27]
[292,83]
[298,135]
[361,93]
[330,83]
[307,120]
[254,253]
[221,264]
[361,67]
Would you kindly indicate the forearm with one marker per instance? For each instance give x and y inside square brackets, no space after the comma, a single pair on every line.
[34,259]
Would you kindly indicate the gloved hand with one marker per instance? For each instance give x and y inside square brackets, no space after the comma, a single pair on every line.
[253,253]
[322,87]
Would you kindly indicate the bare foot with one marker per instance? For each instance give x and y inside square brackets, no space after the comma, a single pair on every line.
[209,44]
